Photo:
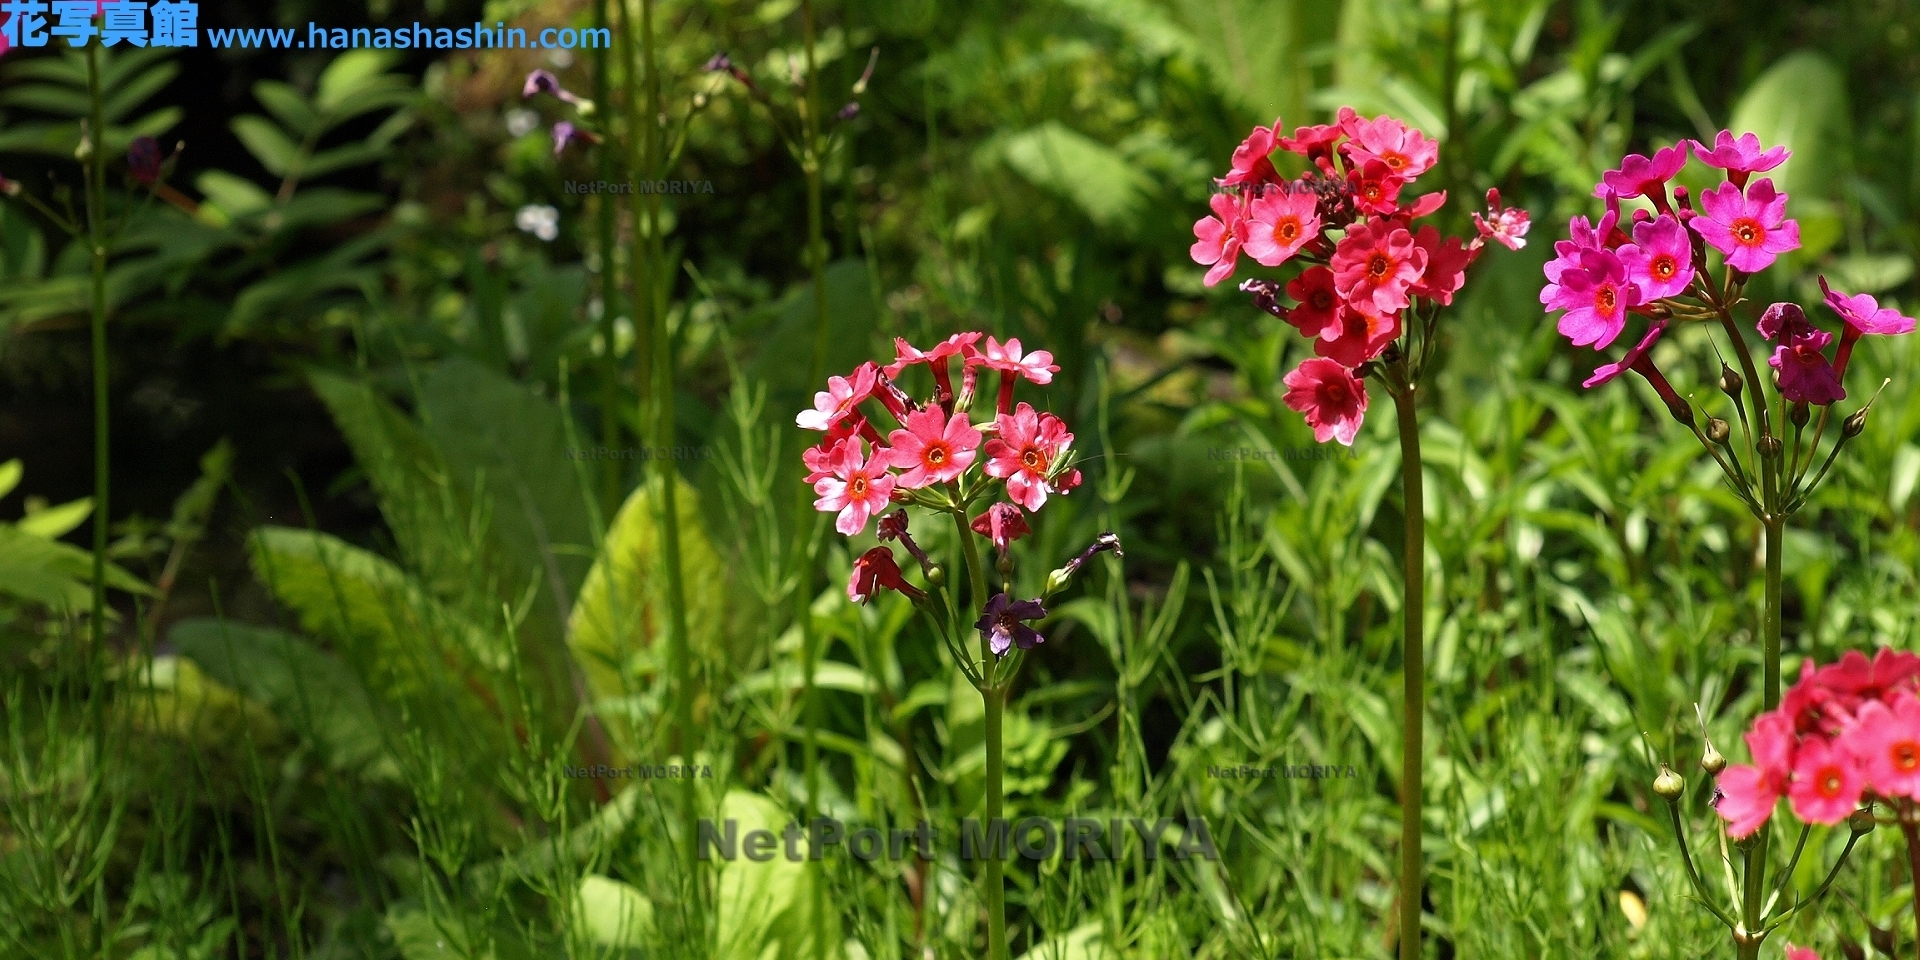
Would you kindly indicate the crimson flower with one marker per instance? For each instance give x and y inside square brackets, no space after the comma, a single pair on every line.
[1358,337]
[1002,523]
[893,526]
[1333,400]
[933,448]
[1219,238]
[1376,189]
[1739,158]
[840,400]
[1280,224]
[1001,623]
[1660,258]
[855,486]
[1447,263]
[875,569]
[1375,263]
[1751,228]
[1319,309]
[1250,159]
[1405,151]
[1805,374]
[1023,453]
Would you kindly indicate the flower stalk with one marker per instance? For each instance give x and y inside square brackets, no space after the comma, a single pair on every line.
[1413,667]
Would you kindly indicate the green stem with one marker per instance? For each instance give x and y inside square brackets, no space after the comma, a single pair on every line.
[1414,668]
[1912,832]
[96,174]
[1770,623]
[609,295]
[994,692]
[816,261]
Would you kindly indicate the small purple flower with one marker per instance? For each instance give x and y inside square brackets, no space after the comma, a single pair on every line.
[1739,158]
[1660,258]
[1003,626]
[851,110]
[565,133]
[540,81]
[143,159]
[1751,229]
[1805,374]
[719,63]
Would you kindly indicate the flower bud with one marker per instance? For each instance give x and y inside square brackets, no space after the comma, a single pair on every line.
[1717,430]
[1861,821]
[1798,414]
[936,575]
[1855,425]
[1668,785]
[1711,761]
[1770,446]
[9,188]
[1681,410]
[1057,581]
[1730,382]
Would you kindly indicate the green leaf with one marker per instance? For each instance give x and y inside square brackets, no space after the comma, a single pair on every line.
[764,911]
[348,74]
[1799,103]
[53,523]
[10,473]
[267,143]
[286,105]
[54,574]
[235,196]
[1083,942]
[142,88]
[788,676]
[340,158]
[1098,180]
[1870,272]
[612,913]
[312,691]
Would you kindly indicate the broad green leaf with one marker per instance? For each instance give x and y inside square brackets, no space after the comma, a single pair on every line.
[310,690]
[188,703]
[1083,942]
[267,142]
[53,574]
[53,523]
[236,197]
[1799,103]
[286,105]
[612,913]
[1098,180]
[348,74]
[10,473]
[765,911]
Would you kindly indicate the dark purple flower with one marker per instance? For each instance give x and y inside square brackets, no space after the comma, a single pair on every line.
[1784,322]
[540,81]
[1266,295]
[893,526]
[1003,626]
[565,133]
[851,110]
[1806,376]
[143,159]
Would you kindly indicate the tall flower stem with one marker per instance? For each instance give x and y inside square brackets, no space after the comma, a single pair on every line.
[993,692]
[96,175]
[609,294]
[1413,724]
[1912,831]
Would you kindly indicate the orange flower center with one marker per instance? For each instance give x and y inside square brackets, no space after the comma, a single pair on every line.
[1830,782]
[1334,393]
[1606,298]
[1286,230]
[1032,459]
[1664,267]
[1748,231]
[1395,160]
[1906,756]
[1378,265]
[858,488]
[1370,190]
[935,455]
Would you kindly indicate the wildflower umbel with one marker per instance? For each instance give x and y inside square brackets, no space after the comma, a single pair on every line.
[1370,271]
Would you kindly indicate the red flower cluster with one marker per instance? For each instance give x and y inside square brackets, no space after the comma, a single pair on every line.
[1846,732]
[1368,263]
[857,471]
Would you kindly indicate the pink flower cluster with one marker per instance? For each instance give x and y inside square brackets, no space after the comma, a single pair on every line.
[1601,273]
[1847,732]
[1366,261]
[857,470]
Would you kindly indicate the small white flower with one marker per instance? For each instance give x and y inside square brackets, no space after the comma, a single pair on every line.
[540,220]
[521,122]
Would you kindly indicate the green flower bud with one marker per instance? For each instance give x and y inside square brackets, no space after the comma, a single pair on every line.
[1855,425]
[1712,761]
[1668,785]
[1770,446]
[1861,821]
[1799,414]
[1731,382]
[1057,581]
[1717,430]
[936,575]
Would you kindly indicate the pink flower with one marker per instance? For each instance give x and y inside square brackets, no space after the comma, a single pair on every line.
[1793,952]
[1359,337]
[1024,453]
[856,487]
[1752,230]
[1854,677]
[1406,152]
[1748,794]
[1641,177]
[875,569]
[1037,367]
[1319,309]
[1447,262]
[907,355]
[1219,237]
[1805,374]
[1864,313]
[1281,223]
[1250,163]
[1312,142]
[933,448]
[1374,264]
[1003,523]
[1635,356]
[840,400]
[1739,157]
[1596,298]
[1581,236]
[1660,258]
[1885,740]
[1375,189]
[1504,225]
[1827,783]
[1332,398]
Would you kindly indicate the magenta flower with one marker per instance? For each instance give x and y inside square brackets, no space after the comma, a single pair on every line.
[1660,258]
[1582,235]
[1023,454]
[1375,263]
[540,81]
[1376,189]
[1885,740]
[1319,309]
[1864,313]
[1002,523]
[1281,223]
[1827,783]
[143,159]
[1641,177]
[1001,623]
[875,569]
[1219,238]
[1406,152]
[1801,953]
[1358,337]
[1739,158]
[1635,357]
[1037,367]
[565,133]
[1751,229]
[1805,374]
[1596,297]
[1314,142]
[840,400]
[1332,399]
[1251,165]
[1506,226]
[857,488]
[933,448]
[1748,794]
